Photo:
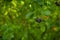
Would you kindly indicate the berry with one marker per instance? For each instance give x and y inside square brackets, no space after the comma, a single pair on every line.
[57,3]
[38,20]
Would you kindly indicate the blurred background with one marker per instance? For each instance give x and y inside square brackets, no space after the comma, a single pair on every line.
[29,19]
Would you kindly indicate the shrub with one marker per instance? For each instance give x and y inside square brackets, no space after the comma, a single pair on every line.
[29,20]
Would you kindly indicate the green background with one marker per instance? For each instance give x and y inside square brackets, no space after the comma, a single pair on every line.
[18,20]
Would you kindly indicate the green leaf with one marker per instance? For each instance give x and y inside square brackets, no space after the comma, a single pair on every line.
[29,15]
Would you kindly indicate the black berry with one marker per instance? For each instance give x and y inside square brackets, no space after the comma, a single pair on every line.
[38,20]
[57,3]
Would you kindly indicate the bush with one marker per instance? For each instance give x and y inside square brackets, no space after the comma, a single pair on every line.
[29,20]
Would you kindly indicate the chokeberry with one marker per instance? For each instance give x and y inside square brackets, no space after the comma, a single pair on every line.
[38,20]
[57,3]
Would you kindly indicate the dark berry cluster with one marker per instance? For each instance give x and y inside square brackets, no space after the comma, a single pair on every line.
[57,3]
[38,20]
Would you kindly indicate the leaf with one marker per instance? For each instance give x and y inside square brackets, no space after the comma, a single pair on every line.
[47,12]
[29,15]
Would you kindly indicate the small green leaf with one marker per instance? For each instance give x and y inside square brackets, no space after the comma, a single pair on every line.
[29,15]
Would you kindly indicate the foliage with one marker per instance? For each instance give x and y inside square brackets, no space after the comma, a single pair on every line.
[29,20]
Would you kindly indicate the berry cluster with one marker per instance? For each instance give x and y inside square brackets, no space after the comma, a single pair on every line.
[57,3]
